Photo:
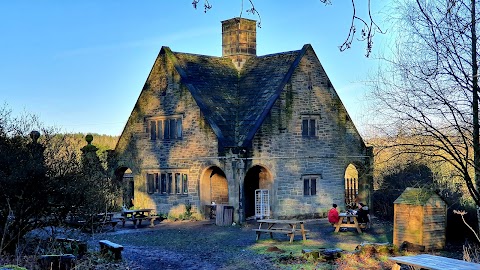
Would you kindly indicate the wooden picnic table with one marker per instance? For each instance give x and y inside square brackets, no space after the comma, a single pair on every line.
[289,227]
[347,221]
[137,215]
[427,261]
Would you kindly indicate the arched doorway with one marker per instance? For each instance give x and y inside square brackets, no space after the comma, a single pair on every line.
[213,187]
[125,176]
[351,185]
[257,177]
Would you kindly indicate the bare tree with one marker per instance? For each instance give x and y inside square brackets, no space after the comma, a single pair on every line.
[427,90]
[367,24]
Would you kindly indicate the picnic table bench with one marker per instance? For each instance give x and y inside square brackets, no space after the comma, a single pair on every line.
[107,247]
[137,216]
[291,229]
[348,221]
[427,261]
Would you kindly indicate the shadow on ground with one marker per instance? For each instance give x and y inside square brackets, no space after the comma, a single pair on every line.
[203,245]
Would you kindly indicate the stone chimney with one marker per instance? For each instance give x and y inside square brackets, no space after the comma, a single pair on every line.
[239,40]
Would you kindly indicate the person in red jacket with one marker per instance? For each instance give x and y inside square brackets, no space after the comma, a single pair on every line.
[333,217]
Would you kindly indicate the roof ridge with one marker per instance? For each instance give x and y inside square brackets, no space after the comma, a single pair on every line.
[198,54]
[280,53]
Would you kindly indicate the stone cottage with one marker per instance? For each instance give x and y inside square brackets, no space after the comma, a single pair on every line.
[214,129]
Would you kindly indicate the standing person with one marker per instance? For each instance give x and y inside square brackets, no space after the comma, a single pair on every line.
[333,217]
[362,213]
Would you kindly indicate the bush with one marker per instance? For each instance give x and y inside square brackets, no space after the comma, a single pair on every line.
[43,179]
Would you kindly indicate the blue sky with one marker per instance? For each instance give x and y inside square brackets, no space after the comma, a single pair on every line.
[80,65]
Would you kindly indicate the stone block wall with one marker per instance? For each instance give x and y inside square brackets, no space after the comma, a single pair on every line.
[163,95]
[280,146]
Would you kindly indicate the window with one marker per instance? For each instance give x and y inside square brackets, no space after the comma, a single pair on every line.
[178,184]
[151,182]
[179,128]
[153,130]
[163,180]
[172,123]
[165,128]
[310,185]
[309,127]
[157,187]
[167,183]
[160,129]
[173,129]
[185,183]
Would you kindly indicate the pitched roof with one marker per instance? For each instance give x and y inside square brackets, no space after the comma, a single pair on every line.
[235,104]
[415,196]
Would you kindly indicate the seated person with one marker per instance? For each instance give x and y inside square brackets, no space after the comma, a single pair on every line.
[333,217]
[362,213]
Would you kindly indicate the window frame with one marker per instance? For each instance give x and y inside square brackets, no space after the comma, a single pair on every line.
[165,127]
[310,183]
[167,181]
[153,130]
[150,178]
[309,126]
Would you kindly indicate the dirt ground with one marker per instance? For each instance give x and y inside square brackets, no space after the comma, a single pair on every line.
[203,245]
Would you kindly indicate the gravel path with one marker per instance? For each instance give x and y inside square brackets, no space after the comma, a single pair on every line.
[203,245]
[190,245]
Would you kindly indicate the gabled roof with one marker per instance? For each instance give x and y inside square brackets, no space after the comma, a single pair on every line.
[415,196]
[235,104]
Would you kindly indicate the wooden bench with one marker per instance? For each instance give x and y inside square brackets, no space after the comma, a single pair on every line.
[288,227]
[107,247]
[286,231]
[427,261]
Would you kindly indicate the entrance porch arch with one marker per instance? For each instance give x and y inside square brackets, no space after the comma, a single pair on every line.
[257,177]
[213,187]
[357,185]
[351,186]
[125,176]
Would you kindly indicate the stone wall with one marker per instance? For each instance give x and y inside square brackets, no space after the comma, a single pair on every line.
[163,95]
[280,147]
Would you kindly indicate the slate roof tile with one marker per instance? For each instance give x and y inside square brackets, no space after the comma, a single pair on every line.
[235,104]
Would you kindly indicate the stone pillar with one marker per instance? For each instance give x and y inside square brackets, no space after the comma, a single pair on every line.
[240,176]
[234,171]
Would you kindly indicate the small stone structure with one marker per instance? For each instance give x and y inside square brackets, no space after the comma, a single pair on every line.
[420,217]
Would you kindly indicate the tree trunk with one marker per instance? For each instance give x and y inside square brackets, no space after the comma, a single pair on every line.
[476,147]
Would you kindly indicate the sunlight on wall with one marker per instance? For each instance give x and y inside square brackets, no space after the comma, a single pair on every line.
[143,200]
